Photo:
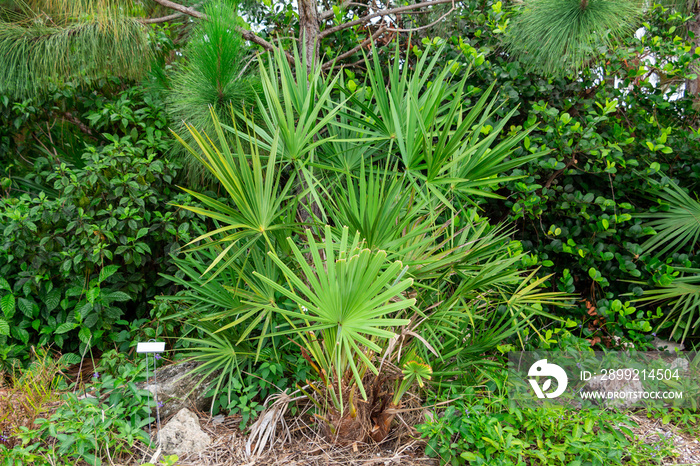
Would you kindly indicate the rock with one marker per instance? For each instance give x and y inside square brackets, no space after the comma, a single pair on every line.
[625,386]
[680,363]
[175,389]
[669,346]
[183,435]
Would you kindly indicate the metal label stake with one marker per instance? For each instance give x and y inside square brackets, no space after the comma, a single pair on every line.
[152,347]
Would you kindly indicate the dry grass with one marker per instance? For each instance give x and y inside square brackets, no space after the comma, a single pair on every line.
[28,396]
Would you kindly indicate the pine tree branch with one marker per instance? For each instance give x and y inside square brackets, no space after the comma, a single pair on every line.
[247,35]
[427,25]
[186,10]
[251,36]
[163,19]
[68,116]
[389,11]
[326,15]
[352,51]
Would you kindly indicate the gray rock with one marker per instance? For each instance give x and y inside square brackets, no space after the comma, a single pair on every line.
[625,386]
[183,435]
[669,346]
[175,389]
[680,363]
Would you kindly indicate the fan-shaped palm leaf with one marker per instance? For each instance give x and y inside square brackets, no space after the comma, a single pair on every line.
[258,195]
[677,222]
[682,298]
[347,303]
[677,225]
[439,142]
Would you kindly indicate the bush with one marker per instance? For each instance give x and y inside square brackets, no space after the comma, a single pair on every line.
[101,424]
[80,255]
[613,133]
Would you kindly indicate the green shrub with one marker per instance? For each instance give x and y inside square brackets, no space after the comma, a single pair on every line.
[80,258]
[612,133]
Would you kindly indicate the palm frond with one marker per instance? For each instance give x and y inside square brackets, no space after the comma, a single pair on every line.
[681,301]
[347,303]
[378,206]
[444,147]
[218,357]
[677,223]
[258,194]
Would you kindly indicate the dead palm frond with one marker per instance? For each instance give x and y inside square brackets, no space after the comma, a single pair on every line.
[264,431]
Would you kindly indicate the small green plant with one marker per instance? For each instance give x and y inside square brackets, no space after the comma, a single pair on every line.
[168,460]
[686,419]
[99,425]
[488,431]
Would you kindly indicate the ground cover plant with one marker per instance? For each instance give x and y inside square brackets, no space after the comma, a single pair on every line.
[94,420]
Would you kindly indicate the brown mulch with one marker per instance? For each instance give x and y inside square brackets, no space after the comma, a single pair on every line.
[653,431]
[305,448]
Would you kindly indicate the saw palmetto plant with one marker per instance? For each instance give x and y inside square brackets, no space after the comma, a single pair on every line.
[348,302]
[392,282]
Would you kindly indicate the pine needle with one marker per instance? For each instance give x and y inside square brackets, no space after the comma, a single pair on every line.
[556,37]
[55,41]
[215,76]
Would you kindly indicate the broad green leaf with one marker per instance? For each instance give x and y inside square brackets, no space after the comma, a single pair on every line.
[52,299]
[26,307]
[108,271]
[8,305]
[63,328]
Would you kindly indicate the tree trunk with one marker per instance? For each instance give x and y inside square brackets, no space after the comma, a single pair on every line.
[309,28]
[692,86]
